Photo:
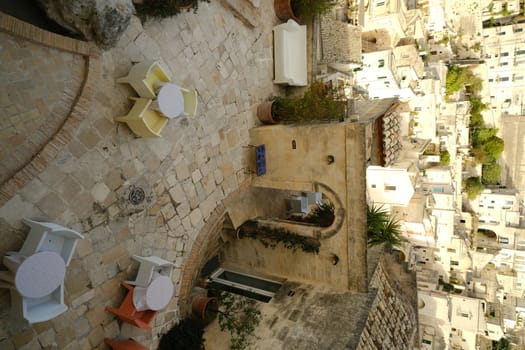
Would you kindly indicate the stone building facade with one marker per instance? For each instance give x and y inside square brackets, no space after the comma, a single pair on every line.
[392,320]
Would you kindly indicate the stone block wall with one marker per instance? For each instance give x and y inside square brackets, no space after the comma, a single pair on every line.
[392,320]
[340,41]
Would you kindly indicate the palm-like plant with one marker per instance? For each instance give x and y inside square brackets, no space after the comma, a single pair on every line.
[381,227]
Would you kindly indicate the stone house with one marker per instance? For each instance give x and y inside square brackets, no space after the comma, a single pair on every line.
[393,185]
[363,291]
[314,158]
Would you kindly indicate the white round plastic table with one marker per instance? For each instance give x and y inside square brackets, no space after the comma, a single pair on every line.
[40,274]
[155,296]
[170,101]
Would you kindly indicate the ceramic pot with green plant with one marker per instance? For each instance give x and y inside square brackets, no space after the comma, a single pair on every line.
[301,10]
[158,9]
[320,103]
[205,308]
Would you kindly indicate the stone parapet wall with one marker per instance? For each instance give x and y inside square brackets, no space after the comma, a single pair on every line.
[392,320]
[340,41]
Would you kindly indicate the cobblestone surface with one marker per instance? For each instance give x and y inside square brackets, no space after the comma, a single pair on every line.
[34,81]
[185,174]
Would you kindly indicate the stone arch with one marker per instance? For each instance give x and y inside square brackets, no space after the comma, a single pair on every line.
[339,211]
[207,244]
[310,230]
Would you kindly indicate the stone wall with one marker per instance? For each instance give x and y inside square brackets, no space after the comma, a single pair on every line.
[340,41]
[392,320]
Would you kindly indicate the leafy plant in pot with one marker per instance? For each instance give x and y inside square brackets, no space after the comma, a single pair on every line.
[320,103]
[236,314]
[301,9]
[164,8]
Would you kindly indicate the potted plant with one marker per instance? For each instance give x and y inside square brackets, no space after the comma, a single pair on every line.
[301,9]
[164,8]
[271,237]
[188,4]
[205,308]
[239,316]
[322,214]
[320,102]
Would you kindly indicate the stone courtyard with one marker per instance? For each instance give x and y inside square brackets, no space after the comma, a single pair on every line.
[85,176]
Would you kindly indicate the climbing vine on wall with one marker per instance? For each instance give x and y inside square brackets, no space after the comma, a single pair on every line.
[271,237]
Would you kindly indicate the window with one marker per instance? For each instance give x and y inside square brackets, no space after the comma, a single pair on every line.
[417,109]
[454,262]
[504,54]
[381,63]
[425,341]
[520,52]
[491,80]
[451,250]
[518,30]
[381,3]
[503,240]
[373,185]
[390,188]
[503,79]
[504,64]
[501,33]
[382,77]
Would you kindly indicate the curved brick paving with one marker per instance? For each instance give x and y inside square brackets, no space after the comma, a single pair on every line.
[33,105]
[186,175]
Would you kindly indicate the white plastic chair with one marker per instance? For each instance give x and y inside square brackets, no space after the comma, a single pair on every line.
[190,101]
[143,121]
[47,236]
[36,310]
[148,267]
[144,78]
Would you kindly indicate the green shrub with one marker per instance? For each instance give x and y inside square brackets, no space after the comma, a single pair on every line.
[186,335]
[381,227]
[445,157]
[322,214]
[319,103]
[473,187]
[490,173]
[307,9]
[239,316]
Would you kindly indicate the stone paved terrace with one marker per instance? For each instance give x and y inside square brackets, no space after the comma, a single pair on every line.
[83,178]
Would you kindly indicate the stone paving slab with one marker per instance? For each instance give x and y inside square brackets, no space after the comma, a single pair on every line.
[185,175]
[38,86]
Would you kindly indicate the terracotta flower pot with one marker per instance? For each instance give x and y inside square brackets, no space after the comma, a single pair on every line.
[283,10]
[264,113]
[205,308]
